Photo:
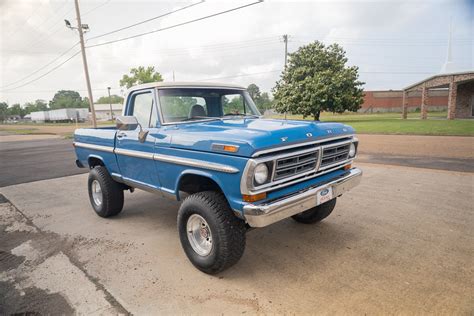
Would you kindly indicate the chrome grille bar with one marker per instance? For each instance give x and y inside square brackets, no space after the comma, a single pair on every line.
[334,154]
[296,164]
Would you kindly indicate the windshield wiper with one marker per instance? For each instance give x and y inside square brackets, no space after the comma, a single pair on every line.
[192,118]
[240,114]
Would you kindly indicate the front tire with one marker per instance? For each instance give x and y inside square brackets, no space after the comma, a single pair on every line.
[316,214]
[212,237]
[105,194]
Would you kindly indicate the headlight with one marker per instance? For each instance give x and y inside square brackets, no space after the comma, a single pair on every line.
[261,173]
[352,150]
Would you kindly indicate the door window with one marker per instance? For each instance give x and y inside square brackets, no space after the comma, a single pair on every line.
[144,110]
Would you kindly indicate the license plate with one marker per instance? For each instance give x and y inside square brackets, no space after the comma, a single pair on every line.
[324,195]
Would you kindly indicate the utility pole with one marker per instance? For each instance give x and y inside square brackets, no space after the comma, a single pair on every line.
[285,40]
[173,75]
[110,103]
[80,28]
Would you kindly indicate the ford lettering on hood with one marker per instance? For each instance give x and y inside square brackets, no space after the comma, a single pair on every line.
[252,134]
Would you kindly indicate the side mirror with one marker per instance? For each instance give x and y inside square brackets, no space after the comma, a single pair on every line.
[126,123]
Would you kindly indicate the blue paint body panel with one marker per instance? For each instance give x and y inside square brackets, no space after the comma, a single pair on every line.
[251,134]
[194,140]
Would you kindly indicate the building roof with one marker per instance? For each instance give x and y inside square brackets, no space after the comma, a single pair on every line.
[461,75]
[185,84]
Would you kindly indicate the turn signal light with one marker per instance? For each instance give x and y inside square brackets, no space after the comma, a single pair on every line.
[230,148]
[254,198]
[347,167]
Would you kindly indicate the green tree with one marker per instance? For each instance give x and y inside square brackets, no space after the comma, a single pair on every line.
[38,105]
[264,102]
[68,99]
[114,99]
[254,91]
[16,109]
[140,75]
[317,79]
[262,99]
[3,111]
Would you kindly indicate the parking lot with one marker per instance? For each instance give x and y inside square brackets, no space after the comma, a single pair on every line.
[401,242]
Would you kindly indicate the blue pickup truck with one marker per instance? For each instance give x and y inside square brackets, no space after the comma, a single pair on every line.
[207,145]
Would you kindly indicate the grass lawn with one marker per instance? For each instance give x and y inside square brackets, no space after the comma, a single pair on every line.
[62,129]
[391,123]
[379,123]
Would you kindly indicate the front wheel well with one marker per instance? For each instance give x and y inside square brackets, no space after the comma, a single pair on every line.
[193,183]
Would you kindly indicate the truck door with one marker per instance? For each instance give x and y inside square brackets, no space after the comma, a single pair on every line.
[135,156]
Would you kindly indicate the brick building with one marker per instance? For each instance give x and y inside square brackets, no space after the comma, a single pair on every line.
[454,92]
[460,87]
[392,101]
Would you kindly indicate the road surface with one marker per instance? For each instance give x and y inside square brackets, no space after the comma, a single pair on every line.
[400,243]
[24,158]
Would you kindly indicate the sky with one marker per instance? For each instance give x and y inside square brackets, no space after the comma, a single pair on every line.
[394,43]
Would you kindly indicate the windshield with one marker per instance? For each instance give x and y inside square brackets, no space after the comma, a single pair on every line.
[193,104]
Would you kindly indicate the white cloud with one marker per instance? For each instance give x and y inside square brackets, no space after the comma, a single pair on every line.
[384,36]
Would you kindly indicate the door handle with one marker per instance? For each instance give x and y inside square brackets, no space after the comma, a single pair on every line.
[121,135]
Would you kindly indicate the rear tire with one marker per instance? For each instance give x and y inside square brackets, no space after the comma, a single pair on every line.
[316,214]
[212,237]
[105,194]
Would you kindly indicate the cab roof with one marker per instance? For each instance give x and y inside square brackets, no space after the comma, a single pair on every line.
[184,84]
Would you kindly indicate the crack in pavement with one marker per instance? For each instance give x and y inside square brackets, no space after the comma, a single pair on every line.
[40,274]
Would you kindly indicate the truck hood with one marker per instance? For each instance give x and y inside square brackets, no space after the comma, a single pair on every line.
[251,134]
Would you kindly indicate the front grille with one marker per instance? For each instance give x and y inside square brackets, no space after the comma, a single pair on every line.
[335,154]
[294,165]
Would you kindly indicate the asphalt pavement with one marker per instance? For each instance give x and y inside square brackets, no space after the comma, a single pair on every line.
[399,243]
[33,160]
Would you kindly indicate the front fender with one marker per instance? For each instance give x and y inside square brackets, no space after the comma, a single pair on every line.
[196,172]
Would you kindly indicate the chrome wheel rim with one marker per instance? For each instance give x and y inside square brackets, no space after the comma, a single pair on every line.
[96,193]
[199,235]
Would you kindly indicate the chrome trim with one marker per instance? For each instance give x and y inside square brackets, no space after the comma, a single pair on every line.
[269,213]
[337,164]
[337,144]
[144,187]
[266,151]
[108,149]
[299,179]
[195,163]
[133,153]
[246,183]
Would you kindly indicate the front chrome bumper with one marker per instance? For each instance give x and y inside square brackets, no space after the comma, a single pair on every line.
[268,213]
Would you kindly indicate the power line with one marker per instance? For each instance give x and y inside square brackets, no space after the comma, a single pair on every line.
[388,39]
[46,91]
[173,26]
[205,51]
[95,8]
[240,75]
[397,72]
[146,21]
[176,25]
[43,67]
[54,31]
[45,74]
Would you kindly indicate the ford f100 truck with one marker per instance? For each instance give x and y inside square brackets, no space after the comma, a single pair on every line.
[207,145]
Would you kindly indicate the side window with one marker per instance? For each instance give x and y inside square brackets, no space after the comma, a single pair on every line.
[233,104]
[144,110]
